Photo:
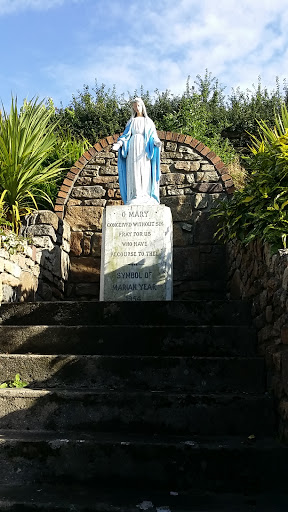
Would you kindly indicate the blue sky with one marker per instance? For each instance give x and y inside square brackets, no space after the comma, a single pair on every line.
[50,48]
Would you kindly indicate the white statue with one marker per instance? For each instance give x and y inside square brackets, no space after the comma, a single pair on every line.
[139,158]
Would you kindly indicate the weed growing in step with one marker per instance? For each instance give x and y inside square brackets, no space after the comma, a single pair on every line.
[16,383]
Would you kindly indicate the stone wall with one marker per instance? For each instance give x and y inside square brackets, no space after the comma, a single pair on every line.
[38,271]
[262,277]
[192,178]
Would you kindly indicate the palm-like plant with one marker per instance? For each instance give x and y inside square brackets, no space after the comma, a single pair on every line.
[26,139]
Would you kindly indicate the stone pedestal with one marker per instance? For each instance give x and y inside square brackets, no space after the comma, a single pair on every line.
[136,256]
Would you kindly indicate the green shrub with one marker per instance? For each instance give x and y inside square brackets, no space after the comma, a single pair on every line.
[260,209]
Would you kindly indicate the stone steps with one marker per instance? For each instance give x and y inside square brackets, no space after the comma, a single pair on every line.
[197,312]
[79,498]
[159,462]
[157,396]
[82,499]
[192,340]
[157,373]
[141,412]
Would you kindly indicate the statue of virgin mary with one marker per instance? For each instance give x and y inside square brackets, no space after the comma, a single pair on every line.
[139,158]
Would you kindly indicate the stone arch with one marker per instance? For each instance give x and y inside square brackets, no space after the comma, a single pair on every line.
[199,147]
[192,178]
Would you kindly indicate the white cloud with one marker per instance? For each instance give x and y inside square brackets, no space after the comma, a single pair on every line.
[159,44]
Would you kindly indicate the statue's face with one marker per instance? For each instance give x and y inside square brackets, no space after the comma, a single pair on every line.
[137,107]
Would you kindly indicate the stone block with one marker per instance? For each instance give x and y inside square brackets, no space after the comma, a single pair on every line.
[212,262]
[44,291]
[165,168]
[285,279]
[64,265]
[183,166]
[181,237]
[194,166]
[84,181]
[201,201]
[45,273]
[86,244]
[269,314]
[173,191]
[91,192]
[74,202]
[96,242]
[12,268]
[207,188]
[66,231]
[94,202]
[108,170]
[204,228]
[87,289]
[166,161]
[66,246]
[85,269]
[47,217]
[181,207]
[172,179]
[190,178]
[83,218]
[186,263]
[29,251]
[8,279]
[104,179]
[44,242]
[186,149]
[28,284]
[98,160]
[171,146]
[208,168]
[236,286]
[4,254]
[1,265]
[42,230]
[9,294]
[187,227]
[211,176]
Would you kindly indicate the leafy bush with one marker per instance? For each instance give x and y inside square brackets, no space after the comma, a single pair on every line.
[201,110]
[260,209]
[67,149]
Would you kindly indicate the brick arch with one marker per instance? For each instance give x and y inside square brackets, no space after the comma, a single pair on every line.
[199,147]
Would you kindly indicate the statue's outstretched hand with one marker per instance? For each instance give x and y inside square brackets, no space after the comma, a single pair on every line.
[157,143]
[116,146]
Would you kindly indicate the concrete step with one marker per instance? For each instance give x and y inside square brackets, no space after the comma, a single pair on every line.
[158,373]
[81,498]
[146,412]
[196,312]
[168,463]
[129,339]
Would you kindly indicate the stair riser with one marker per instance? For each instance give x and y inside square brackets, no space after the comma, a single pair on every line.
[197,375]
[142,413]
[126,313]
[163,466]
[129,340]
